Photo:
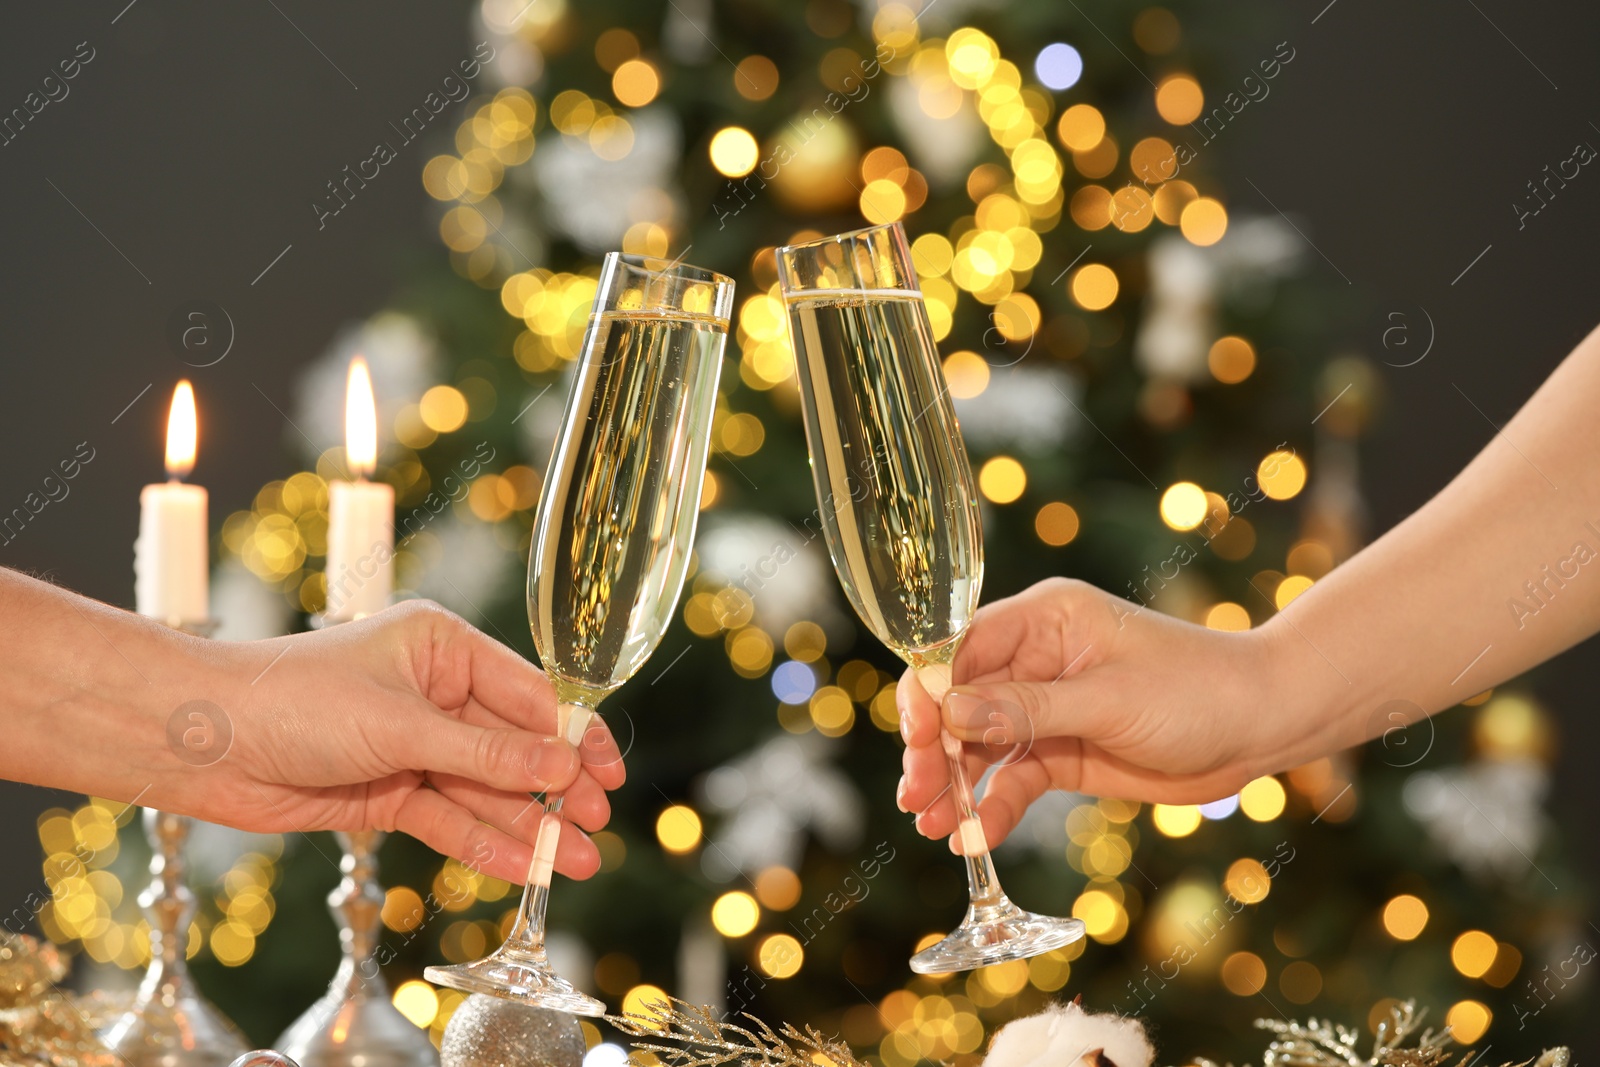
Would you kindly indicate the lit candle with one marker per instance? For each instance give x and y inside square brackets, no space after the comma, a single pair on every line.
[171,558]
[360,513]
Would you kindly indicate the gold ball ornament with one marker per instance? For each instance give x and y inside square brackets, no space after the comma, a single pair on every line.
[810,162]
[487,1031]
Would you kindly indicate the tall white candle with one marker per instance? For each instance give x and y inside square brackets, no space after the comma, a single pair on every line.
[171,558]
[360,513]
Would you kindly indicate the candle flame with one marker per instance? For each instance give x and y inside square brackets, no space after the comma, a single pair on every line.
[360,421]
[183,431]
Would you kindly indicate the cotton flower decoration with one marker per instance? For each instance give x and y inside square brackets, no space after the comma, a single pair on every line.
[1065,1035]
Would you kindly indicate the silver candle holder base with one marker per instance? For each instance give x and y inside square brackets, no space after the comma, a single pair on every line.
[355,1023]
[170,1023]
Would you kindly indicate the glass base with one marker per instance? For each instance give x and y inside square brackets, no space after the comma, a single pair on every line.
[995,933]
[520,975]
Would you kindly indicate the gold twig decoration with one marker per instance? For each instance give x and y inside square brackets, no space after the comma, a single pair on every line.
[689,1035]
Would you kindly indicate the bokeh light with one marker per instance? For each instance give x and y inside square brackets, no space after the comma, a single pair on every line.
[793,683]
[1247,881]
[1263,799]
[417,1001]
[1204,221]
[735,914]
[1058,66]
[1231,359]
[1176,820]
[635,83]
[678,828]
[1473,953]
[778,888]
[1179,99]
[1002,480]
[644,1000]
[1282,475]
[1081,127]
[1094,287]
[1056,524]
[1244,974]
[1227,617]
[1184,506]
[1290,588]
[1468,1020]
[734,151]
[1405,917]
[780,956]
[966,374]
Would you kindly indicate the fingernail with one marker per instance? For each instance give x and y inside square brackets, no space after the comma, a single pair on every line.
[905,725]
[900,794]
[964,710]
[554,761]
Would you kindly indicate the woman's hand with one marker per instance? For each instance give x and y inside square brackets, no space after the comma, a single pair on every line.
[409,720]
[1066,687]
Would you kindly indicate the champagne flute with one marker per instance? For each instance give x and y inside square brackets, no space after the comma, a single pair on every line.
[611,542]
[900,515]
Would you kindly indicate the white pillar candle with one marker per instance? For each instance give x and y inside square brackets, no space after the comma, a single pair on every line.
[360,548]
[171,557]
[171,560]
[360,513]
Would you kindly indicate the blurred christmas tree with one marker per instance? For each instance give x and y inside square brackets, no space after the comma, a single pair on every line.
[1146,389]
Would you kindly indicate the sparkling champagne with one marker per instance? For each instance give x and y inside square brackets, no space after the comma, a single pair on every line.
[900,511]
[895,490]
[617,512]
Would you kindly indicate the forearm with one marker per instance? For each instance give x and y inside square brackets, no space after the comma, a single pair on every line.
[89,690]
[1498,572]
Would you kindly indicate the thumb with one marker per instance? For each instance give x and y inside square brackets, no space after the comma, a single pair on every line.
[511,759]
[1001,714]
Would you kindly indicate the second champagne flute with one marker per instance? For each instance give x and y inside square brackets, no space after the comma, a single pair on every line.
[900,514]
[611,542]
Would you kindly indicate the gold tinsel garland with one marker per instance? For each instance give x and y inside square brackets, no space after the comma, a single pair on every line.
[39,1024]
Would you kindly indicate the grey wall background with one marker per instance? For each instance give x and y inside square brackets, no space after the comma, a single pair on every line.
[184,160]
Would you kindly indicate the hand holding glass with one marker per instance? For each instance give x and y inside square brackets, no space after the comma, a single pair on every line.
[900,515]
[611,542]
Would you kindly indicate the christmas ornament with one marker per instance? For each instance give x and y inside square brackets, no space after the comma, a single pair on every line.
[38,1024]
[355,1024]
[486,1031]
[814,162]
[264,1057]
[170,1023]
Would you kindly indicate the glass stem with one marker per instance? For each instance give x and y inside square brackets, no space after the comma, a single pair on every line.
[983,884]
[528,933]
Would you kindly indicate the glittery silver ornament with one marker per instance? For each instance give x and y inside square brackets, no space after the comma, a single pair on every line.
[487,1031]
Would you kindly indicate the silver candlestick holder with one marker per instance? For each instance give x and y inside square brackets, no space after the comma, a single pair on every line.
[355,1024]
[170,1023]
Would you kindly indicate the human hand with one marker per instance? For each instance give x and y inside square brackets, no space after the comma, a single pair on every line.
[408,720]
[1067,687]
